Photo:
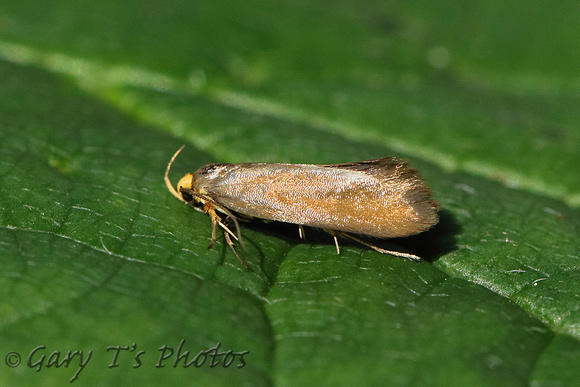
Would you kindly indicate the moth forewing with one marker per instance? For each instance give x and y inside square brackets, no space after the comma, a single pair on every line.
[330,197]
[379,198]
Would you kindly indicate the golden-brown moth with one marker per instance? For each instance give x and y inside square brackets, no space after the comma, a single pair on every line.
[381,198]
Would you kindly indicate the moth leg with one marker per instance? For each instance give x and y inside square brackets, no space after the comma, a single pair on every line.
[231,244]
[336,244]
[301,231]
[231,216]
[228,231]
[382,251]
[334,235]
[216,220]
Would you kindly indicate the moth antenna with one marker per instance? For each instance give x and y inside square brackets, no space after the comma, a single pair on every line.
[167,181]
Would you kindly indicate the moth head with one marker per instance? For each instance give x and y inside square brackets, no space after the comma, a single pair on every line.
[193,186]
[185,188]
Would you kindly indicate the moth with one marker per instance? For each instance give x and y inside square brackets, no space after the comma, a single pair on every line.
[382,198]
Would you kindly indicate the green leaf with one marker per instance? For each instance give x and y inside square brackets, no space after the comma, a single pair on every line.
[97,256]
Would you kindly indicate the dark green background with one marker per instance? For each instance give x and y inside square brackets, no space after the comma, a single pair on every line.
[94,252]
